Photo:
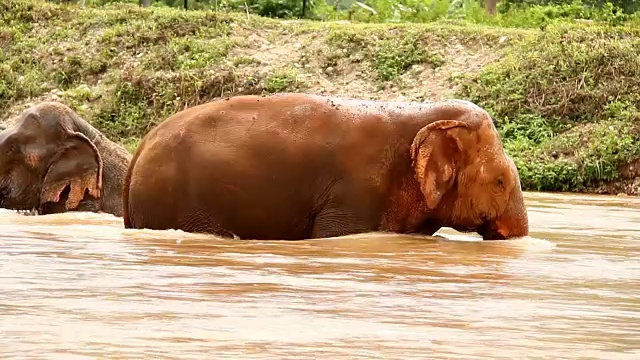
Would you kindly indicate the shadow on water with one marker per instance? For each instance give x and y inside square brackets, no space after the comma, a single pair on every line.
[79,284]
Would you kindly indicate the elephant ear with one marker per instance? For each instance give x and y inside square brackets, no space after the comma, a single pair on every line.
[435,154]
[78,165]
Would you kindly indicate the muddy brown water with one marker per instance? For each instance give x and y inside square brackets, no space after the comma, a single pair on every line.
[78,286]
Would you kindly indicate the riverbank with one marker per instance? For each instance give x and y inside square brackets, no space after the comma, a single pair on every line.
[565,98]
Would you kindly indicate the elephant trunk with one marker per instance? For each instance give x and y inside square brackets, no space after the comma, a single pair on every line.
[512,223]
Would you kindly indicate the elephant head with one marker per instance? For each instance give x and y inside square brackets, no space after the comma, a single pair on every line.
[467,179]
[45,161]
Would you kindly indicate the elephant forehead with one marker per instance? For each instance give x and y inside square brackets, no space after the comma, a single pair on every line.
[34,135]
[491,164]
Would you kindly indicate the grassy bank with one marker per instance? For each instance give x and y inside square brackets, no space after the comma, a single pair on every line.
[565,98]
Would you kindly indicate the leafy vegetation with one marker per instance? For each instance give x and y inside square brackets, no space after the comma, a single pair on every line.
[390,55]
[511,13]
[565,96]
[281,81]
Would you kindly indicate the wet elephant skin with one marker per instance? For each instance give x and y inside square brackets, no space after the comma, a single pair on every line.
[296,166]
[54,161]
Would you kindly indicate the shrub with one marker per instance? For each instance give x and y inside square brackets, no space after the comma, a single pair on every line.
[388,52]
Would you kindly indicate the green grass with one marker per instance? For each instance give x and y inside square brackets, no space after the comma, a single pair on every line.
[282,80]
[565,99]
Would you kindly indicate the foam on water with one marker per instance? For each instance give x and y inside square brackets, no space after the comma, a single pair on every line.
[108,226]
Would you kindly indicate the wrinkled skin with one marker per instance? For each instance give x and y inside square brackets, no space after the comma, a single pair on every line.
[53,161]
[296,166]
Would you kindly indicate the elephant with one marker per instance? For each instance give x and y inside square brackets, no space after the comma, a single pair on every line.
[53,161]
[294,166]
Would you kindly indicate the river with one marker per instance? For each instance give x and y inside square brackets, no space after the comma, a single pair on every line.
[78,286]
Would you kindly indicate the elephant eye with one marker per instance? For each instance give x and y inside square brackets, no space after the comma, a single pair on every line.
[13,148]
[500,183]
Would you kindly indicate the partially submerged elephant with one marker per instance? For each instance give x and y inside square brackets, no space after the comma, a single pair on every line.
[53,161]
[296,166]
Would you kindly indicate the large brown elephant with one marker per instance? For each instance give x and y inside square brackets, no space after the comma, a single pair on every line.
[54,161]
[299,166]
